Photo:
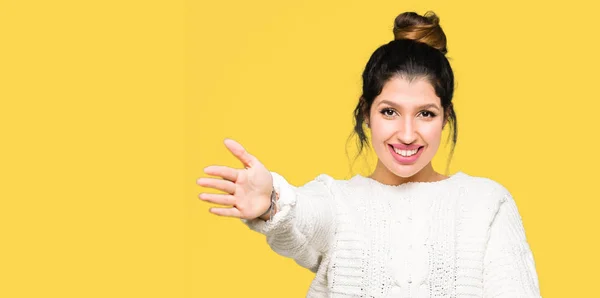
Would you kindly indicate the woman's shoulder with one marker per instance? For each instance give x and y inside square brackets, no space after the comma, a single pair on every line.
[483,183]
[347,188]
[482,188]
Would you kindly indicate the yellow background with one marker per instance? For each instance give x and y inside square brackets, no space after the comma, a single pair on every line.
[110,110]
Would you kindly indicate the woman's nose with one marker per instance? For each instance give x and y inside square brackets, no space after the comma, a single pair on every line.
[407,133]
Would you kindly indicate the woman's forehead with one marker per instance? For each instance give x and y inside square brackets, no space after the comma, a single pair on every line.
[402,92]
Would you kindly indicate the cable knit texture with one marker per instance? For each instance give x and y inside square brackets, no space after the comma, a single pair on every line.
[459,237]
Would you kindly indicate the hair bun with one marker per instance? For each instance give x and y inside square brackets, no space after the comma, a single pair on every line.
[425,29]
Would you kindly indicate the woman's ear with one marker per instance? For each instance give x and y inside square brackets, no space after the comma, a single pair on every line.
[446,116]
[365,112]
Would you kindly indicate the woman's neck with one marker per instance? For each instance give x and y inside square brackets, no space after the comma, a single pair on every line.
[427,174]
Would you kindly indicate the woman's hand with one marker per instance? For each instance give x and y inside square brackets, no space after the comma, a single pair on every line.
[247,191]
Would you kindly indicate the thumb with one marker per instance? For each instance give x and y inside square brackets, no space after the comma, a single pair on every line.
[238,151]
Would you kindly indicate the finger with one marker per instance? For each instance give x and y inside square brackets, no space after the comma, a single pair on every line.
[226,173]
[221,199]
[229,212]
[223,185]
[238,151]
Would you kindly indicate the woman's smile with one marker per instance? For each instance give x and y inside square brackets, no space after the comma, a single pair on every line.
[406,156]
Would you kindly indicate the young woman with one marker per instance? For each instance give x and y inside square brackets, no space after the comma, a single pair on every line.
[405,230]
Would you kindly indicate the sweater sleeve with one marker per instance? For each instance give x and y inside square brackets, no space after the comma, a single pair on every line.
[303,225]
[509,267]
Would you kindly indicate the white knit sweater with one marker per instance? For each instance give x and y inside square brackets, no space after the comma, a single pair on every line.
[459,237]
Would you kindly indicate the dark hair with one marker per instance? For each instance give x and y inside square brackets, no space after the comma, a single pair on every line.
[417,51]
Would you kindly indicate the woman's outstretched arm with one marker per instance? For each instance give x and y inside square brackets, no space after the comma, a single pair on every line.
[303,222]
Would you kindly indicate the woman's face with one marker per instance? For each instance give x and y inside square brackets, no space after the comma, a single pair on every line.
[406,122]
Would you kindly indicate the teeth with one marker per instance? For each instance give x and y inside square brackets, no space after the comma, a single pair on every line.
[406,153]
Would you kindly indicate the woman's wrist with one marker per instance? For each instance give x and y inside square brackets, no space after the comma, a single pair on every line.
[272,207]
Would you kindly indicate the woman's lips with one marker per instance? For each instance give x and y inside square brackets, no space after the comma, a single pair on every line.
[406,147]
[406,159]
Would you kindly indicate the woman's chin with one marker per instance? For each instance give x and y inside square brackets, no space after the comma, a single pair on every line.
[405,171]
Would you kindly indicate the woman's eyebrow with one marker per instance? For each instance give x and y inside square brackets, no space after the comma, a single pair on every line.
[425,106]
[429,106]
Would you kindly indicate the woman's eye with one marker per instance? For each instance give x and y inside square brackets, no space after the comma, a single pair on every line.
[427,114]
[388,112]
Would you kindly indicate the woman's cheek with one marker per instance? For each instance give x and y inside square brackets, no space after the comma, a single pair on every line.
[432,131]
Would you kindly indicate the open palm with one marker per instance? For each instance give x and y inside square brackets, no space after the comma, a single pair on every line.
[247,191]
